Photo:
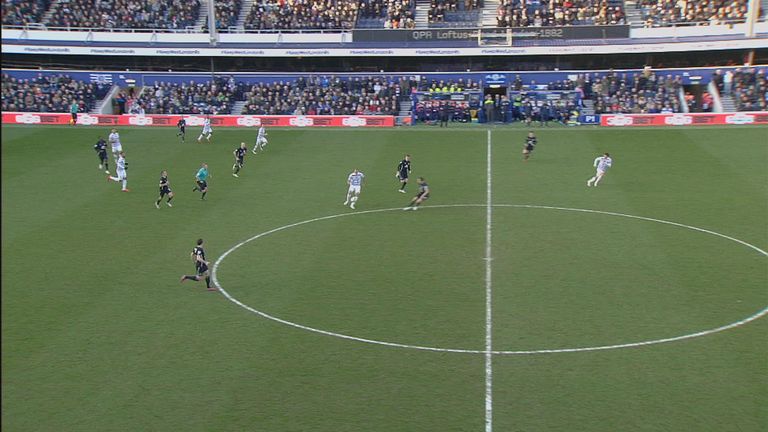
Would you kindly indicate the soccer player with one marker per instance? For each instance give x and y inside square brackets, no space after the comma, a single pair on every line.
[165,189]
[73,109]
[239,159]
[207,131]
[602,163]
[201,266]
[182,125]
[122,176]
[201,178]
[355,182]
[403,169]
[101,151]
[421,196]
[530,143]
[114,139]
[261,140]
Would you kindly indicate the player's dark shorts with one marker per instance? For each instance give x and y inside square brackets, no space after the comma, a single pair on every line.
[403,175]
[423,196]
[240,161]
[202,184]
[529,148]
[201,268]
[103,156]
[74,117]
[182,129]
[165,190]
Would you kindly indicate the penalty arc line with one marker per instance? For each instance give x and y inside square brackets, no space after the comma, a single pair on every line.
[488,296]
[759,314]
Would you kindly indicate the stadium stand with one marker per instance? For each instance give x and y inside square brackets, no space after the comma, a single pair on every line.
[750,89]
[50,93]
[24,12]
[216,97]
[391,14]
[454,13]
[518,13]
[636,93]
[326,96]
[227,12]
[302,14]
[125,14]
[663,13]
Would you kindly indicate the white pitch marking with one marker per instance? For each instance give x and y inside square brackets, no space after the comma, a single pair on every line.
[488,297]
[756,315]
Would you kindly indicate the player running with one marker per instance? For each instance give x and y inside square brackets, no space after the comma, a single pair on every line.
[403,169]
[201,266]
[182,125]
[114,140]
[207,130]
[355,182]
[421,196]
[239,159]
[602,163]
[530,144]
[165,189]
[201,178]
[122,175]
[101,151]
[261,140]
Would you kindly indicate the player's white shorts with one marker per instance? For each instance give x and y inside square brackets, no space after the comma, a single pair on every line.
[122,175]
[354,189]
[261,141]
[600,173]
[117,148]
[207,130]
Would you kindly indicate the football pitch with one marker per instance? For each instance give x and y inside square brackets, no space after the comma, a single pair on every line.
[515,299]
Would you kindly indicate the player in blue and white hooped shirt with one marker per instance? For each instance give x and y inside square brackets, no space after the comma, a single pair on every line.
[602,163]
[122,174]
[355,182]
[261,140]
[114,140]
[207,130]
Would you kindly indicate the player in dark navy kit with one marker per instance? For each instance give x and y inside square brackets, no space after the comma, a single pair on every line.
[239,159]
[421,196]
[530,143]
[403,169]
[201,266]
[101,151]
[165,189]
[182,125]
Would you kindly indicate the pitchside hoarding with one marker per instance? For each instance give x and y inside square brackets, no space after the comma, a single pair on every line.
[197,120]
[695,119]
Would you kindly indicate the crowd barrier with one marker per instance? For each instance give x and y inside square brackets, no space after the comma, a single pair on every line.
[694,119]
[197,120]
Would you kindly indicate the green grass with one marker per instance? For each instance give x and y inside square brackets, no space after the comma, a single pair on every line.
[98,334]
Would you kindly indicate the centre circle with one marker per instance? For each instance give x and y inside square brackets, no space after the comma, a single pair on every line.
[562,349]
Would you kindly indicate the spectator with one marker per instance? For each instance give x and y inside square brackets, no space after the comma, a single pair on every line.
[126,14]
[663,13]
[302,14]
[50,93]
[519,13]
[24,12]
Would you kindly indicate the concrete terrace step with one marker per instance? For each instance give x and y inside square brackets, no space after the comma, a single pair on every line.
[244,11]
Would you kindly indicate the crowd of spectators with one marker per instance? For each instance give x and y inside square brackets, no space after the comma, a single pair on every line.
[748,86]
[211,97]
[439,8]
[663,13]
[635,93]
[447,86]
[23,12]
[227,12]
[522,13]
[327,95]
[395,14]
[302,14]
[126,14]
[53,93]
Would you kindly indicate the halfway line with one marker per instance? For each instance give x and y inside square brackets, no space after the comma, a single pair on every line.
[488,301]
